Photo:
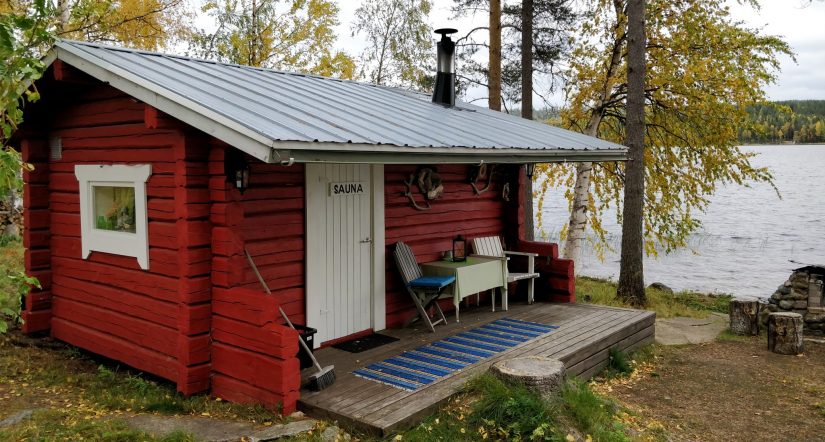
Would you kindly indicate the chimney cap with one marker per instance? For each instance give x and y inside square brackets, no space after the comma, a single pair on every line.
[445,31]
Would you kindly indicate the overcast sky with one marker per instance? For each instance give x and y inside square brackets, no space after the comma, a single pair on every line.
[800,22]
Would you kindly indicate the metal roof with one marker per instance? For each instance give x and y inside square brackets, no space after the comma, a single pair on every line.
[280,116]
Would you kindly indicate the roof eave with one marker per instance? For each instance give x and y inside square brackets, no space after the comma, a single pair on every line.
[383,155]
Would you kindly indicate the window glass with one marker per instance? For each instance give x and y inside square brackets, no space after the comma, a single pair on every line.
[114,208]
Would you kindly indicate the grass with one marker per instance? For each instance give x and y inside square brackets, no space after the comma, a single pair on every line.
[82,397]
[62,425]
[666,305]
[11,262]
[491,409]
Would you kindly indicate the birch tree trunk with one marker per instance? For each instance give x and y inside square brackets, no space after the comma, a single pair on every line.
[631,271]
[527,105]
[576,228]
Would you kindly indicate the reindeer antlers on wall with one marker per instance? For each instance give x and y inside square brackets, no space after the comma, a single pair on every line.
[429,183]
[409,194]
[481,172]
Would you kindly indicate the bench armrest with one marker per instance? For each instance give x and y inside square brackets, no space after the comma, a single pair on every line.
[500,258]
[521,253]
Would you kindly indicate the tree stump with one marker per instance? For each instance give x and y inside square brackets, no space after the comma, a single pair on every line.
[542,375]
[785,333]
[744,317]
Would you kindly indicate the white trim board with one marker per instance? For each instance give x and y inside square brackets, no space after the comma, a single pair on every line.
[118,243]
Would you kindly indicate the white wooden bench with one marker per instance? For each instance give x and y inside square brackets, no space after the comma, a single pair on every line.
[490,247]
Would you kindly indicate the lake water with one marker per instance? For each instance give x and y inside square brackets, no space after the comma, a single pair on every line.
[749,236]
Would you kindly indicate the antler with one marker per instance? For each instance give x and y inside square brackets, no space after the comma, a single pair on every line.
[409,194]
[487,186]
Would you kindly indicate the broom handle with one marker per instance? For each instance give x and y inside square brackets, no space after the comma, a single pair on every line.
[283,314]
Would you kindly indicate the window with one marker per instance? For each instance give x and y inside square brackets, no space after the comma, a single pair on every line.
[113,215]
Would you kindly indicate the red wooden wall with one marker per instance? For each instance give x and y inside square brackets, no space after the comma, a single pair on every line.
[458,211]
[253,355]
[156,320]
[273,229]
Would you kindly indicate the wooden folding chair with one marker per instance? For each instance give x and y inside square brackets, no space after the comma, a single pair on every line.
[424,290]
[490,247]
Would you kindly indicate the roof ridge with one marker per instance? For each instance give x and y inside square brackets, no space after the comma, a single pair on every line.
[236,65]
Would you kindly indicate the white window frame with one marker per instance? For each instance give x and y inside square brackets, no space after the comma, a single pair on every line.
[118,243]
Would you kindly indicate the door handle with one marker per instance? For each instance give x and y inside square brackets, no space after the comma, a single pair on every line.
[366,241]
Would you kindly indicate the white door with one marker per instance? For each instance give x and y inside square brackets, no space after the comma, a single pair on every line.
[339,249]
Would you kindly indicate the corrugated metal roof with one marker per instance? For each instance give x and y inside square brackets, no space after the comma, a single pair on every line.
[259,109]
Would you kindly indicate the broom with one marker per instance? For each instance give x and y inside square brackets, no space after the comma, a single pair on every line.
[325,376]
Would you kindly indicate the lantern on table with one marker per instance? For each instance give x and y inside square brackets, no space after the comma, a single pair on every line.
[459,249]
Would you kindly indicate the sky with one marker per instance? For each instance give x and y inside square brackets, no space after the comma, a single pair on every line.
[801,23]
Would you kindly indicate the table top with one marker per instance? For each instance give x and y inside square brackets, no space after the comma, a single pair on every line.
[471,260]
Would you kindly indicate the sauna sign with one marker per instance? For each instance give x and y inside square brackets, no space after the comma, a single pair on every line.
[345,189]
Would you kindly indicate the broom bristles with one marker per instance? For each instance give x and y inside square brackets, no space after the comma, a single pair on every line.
[322,379]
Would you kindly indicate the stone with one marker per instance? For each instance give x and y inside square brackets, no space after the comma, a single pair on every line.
[784,289]
[814,315]
[815,293]
[800,305]
[203,428]
[769,307]
[785,304]
[681,330]
[16,418]
[797,295]
[787,283]
[777,295]
[542,375]
[661,287]
[297,415]
[333,434]
[280,431]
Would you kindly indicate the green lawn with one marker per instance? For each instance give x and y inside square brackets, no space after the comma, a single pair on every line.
[666,305]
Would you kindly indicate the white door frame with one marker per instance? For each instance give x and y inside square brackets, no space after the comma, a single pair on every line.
[377,253]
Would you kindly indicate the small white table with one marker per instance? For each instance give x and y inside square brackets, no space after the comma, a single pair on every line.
[472,276]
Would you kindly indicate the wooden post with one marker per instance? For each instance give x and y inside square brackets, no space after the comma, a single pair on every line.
[785,333]
[744,317]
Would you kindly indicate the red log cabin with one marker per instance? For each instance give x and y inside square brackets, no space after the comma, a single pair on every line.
[153,174]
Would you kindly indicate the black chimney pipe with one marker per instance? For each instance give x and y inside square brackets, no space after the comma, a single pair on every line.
[445,78]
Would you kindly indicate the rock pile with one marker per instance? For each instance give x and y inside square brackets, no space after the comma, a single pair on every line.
[802,293]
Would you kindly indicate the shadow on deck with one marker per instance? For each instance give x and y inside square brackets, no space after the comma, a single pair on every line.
[582,342]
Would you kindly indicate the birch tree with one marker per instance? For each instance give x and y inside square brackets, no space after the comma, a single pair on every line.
[290,35]
[399,48]
[704,68]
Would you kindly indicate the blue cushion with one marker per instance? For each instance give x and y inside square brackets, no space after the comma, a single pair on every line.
[432,282]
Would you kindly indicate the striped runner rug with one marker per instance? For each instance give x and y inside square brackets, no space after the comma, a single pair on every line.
[424,365]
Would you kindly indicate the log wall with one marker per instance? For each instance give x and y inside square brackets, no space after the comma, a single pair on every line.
[155,320]
[430,233]
[253,354]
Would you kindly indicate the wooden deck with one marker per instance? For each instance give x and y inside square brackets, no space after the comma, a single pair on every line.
[582,342]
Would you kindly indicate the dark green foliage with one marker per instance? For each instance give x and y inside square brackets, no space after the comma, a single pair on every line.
[591,414]
[521,413]
[493,410]
[618,362]
[798,121]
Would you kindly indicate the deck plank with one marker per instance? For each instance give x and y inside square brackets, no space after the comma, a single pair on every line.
[582,341]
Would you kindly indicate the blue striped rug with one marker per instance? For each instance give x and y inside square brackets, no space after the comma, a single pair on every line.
[424,365]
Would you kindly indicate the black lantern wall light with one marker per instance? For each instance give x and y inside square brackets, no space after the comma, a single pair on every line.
[459,249]
[237,170]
